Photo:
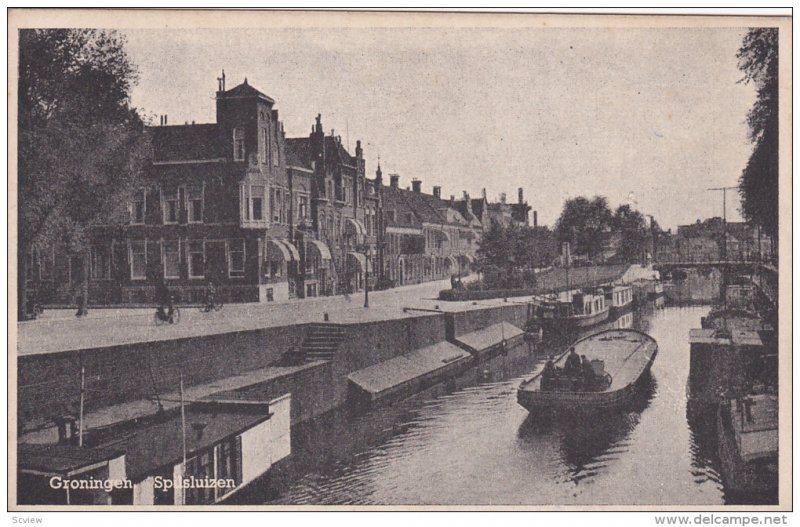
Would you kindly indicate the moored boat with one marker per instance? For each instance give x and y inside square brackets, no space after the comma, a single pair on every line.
[619,359]
[583,310]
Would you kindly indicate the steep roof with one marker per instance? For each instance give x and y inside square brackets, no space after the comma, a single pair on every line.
[298,152]
[188,142]
[245,90]
[335,147]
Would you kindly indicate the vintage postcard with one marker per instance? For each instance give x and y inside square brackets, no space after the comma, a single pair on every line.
[373,260]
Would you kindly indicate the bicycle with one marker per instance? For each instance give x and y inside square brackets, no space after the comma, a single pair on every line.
[207,307]
[167,317]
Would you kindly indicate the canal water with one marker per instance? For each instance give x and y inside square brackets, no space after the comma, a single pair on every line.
[469,442]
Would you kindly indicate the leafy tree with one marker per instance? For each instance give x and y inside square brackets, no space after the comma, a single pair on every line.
[632,226]
[584,223]
[758,184]
[81,144]
[508,254]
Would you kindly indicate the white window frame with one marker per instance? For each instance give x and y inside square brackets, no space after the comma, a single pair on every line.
[143,194]
[165,210]
[189,253]
[106,275]
[237,155]
[229,253]
[130,258]
[250,199]
[164,259]
[274,202]
[189,208]
[49,253]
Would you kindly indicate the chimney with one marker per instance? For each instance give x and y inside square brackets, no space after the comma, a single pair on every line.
[520,200]
[535,219]
[394,180]
[437,192]
[452,201]
[503,197]
[359,152]
[416,184]
[483,193]
[221,82]
[466,195]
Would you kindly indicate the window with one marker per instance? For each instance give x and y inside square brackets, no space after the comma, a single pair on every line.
[262,145]
[197,259]
[238,144]
[101,263]
[275,269]
[169,204]
[171,256]
[194,195]
[276,158]
[257,202]
[274,201]
[236,258]
[138,259]
[45,259]
[302,206]
[137,208]
[229,463]
[202,468]
[31,260]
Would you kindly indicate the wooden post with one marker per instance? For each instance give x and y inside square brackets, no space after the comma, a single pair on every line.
[80,414]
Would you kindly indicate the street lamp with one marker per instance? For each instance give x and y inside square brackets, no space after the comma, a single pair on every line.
[368,256]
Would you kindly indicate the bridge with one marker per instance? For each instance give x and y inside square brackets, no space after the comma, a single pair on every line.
[763,275]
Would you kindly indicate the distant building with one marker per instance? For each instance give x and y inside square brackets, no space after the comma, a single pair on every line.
[427,238]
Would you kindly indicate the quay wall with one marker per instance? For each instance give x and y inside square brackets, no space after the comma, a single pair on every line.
[49,384]
[459,323]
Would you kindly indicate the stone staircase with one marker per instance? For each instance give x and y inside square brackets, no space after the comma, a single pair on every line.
[321,342]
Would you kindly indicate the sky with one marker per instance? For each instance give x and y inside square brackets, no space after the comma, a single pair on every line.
[650,117]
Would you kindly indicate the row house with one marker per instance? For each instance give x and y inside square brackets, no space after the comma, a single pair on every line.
[426,237]
[340,230]
[215,206]
[502,211]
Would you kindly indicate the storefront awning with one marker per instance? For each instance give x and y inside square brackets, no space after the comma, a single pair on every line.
[469,258]
[319,249]
[292,249]
[277,251]
[353,226]
[357,261]
[451,262]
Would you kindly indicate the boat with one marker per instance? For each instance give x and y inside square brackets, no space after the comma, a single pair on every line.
[620,359]
[748,448]
[583,310]
[619,298]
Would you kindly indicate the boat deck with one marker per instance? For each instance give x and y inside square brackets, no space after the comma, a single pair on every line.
[625,353]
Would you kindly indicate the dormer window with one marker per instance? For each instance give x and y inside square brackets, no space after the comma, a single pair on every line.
[238,144]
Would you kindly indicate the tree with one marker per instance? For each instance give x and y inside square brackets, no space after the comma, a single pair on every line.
[584,223]
[81,144]
[632,226]
[507,255]
[758,184]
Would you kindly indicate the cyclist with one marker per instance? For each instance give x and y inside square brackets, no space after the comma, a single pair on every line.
[211,293]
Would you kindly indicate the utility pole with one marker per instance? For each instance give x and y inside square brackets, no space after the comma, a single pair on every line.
[724,218]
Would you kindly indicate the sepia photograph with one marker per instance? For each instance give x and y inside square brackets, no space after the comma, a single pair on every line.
[364,260]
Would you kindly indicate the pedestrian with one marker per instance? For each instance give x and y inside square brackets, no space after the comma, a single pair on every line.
[572,366]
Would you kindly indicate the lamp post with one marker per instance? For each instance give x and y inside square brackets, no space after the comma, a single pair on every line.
[368,255]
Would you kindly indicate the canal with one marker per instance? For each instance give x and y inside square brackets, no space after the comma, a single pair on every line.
[469,442]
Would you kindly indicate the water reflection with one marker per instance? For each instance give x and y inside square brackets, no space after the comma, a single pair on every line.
[469,442]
